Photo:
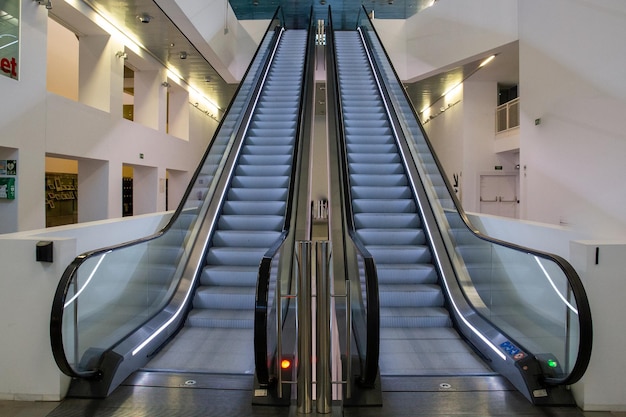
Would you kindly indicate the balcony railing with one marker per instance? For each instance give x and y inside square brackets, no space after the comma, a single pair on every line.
[507,115]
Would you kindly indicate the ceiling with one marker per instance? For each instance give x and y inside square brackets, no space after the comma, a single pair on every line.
[344,12]
[167,42]
[430,91]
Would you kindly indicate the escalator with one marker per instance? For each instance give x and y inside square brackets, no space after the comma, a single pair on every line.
[434,297]
[413,318]
[183,299]
[251,220]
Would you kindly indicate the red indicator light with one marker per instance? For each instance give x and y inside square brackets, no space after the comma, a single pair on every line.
[285,364]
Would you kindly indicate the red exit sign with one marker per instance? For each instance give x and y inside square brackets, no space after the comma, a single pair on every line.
[9,66]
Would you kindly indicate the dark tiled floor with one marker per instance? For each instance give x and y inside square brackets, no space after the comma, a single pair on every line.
[174,396]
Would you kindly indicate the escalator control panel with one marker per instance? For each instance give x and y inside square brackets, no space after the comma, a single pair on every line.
[513,351]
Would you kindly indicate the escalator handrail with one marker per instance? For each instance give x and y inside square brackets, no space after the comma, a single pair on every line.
[574,281]
[262,292]
[372,348]
[69,274]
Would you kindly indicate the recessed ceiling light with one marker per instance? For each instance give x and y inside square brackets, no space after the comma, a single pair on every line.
[144,18]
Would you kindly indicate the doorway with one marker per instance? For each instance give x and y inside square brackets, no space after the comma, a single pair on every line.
[499,194]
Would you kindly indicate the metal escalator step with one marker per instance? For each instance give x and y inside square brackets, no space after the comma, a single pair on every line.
[229,275]
[398,254]
[404,205]
[377,180]
[241,319]
[414,317]
[244,239]
[248,181]
[226,298]
[356,141]
[270,141]
[406,274]
[372,122]
[359,112]
[265,159]
[267,149]
[386,220]
[270,132]
[410,295]
[392,237]
[262,170]
[373,148]
[258,194]
[251,223]
[358,131]
[276,208]
[225,255]
[392,192]
[376,169]
[370,158]
[275,122]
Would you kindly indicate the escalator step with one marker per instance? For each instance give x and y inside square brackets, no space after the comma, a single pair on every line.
[260,182]
[398,254]
[243,238]
[228,255]
[380,169]
[392,237]
[263,170]
[254,207]
[406,274]
[227,298]
[233,275]
[386,220]
[373,180]
[411,295]
[258,194]
[239,319]
[414,317]
[265,159]
[376,192]
[250,222]
[404,205]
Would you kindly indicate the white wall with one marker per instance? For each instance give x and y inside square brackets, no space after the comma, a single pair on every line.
[22,123]
[38,123]
[571,76]
[447,33]
[602,387]
[204,23]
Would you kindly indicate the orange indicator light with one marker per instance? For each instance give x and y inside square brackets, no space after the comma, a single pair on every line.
[285,364]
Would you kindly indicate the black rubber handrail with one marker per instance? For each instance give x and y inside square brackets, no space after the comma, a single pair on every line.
[261,348]
[578,290]
[369,368]
[60,296]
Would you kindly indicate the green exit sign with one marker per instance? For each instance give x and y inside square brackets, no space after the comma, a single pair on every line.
[498,167]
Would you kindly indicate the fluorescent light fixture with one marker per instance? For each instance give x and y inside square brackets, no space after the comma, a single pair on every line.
[454,90]
[486,61]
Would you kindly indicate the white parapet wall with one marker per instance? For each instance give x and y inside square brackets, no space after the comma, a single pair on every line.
[27,287]
[602,267]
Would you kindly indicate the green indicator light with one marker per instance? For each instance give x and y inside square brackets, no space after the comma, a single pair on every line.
[552,363]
